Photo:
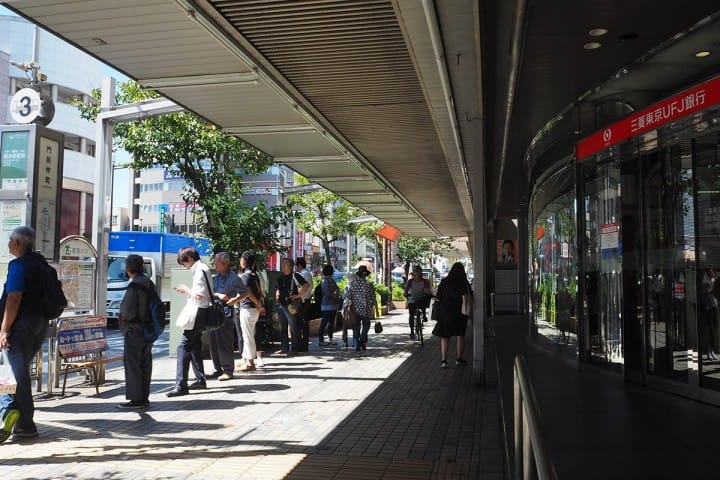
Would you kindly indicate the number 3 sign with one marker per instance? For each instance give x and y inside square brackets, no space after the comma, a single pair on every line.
[25,105]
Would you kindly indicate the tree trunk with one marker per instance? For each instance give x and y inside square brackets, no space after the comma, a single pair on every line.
[326,247]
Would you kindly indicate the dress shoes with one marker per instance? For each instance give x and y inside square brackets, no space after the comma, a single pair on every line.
[214,375]
[178,392]
[197,385]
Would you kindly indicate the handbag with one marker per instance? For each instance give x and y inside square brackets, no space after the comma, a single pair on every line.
[467,304]
[211,317]
[8,383]
[294,307]
[378,327]
[435,312]
[348,314]
[188,314]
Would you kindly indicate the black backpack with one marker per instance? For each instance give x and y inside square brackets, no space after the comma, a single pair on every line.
[154,326]
[53,301]
[317,293]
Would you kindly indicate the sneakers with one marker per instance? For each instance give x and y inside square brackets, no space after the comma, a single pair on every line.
[443,364]
[259,362]
[214,375]
[324,344]
[225,377]
[460,362]
[131,405]
[197,385]
[8,423]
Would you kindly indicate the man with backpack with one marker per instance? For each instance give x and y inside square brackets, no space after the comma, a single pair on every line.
[22,332]
[135,316]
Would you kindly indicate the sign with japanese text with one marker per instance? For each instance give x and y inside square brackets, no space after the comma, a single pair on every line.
[14,146]
[689,101]
[78,336]
[47,180]
[609,236]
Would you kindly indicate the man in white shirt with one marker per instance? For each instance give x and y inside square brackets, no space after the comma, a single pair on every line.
[304,316]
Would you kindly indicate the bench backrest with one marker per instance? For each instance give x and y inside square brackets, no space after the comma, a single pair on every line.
[80,336]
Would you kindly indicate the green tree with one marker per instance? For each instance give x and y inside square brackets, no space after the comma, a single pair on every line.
[413,250]
[324,215]
[211,162]
[368,231]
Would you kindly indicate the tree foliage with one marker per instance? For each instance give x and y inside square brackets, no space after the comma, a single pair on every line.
[324,215]
[413,250]
[211,162]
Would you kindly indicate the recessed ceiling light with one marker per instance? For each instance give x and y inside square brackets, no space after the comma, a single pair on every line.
[598,32]
[702,54]
[592,45]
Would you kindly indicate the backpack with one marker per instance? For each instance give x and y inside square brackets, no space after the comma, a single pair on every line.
[155,326]
[317,294]
[53,301]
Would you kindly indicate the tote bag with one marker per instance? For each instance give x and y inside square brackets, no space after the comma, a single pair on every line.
[8,384]
[187,316]
[467,304]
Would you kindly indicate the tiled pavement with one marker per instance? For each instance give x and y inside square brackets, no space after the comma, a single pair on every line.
[389,412]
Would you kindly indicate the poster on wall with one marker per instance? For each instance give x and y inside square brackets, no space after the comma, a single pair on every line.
[47,196]
[507,252]
[14,160]
[12,215]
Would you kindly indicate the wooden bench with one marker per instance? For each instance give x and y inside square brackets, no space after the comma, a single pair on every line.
[81,344]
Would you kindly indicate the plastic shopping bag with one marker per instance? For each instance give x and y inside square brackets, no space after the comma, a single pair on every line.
[8,384]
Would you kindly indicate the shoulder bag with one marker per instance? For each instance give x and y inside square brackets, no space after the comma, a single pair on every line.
[213,316]
[348,314]
[467,304]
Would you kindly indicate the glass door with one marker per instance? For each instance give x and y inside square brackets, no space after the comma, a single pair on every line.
[601,301]
[668,237]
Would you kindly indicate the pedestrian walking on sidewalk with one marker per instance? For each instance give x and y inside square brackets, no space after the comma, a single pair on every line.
[362,294]
[22,331]
[137,355]
[329,305]
[452,323]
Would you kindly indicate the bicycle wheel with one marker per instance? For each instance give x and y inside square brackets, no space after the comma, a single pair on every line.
[419,327]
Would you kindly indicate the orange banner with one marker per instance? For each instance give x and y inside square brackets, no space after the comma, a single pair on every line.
[390,233]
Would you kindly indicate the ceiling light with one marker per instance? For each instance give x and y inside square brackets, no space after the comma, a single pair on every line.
[598,32]
[592,45]
[702,54]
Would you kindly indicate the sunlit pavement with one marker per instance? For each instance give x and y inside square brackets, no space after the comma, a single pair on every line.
[387,412]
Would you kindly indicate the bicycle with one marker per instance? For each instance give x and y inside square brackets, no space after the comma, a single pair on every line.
[418,325]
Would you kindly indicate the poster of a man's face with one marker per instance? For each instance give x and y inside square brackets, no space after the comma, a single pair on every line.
[507,252]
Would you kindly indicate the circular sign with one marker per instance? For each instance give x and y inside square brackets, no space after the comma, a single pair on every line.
[25,105]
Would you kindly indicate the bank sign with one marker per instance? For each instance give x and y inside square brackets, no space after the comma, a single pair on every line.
[689,101]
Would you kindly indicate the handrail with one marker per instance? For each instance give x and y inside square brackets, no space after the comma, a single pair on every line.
[530,457]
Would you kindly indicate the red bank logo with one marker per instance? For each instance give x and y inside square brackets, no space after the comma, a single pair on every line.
[607,135]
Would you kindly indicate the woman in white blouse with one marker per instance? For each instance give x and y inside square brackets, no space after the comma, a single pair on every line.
[190,348]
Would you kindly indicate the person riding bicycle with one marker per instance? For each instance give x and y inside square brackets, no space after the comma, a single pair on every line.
[418,293]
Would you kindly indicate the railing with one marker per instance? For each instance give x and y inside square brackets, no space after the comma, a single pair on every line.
[531,459]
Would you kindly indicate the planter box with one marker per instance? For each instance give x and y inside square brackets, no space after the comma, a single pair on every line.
[395,304]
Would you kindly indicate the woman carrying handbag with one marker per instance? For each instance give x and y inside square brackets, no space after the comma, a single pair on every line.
[452,321]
